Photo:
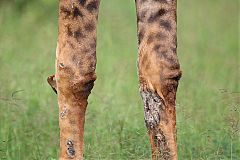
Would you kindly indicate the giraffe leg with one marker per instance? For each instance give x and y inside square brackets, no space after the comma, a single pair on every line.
[159,73]
[75,71]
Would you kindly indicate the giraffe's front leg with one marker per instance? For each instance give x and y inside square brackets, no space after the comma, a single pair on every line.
[159,73]
[75,71]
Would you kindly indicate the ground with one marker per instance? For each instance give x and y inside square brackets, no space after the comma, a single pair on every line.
[208,98]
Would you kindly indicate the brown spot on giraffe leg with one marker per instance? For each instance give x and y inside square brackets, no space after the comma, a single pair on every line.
[156,15]
[93,5]
[77,12]
[166,24]
[82,2]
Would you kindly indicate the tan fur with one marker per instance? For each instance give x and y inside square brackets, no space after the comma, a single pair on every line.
[158,70]
[75,71]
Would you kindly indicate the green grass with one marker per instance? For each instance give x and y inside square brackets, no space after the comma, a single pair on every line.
[208,109]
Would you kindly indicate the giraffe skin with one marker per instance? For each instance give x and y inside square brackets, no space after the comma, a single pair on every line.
[75,71]
[158,71]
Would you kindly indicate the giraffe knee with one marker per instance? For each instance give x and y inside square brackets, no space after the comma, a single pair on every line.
[160,81]
[169,85]
[82,88]
[72,82]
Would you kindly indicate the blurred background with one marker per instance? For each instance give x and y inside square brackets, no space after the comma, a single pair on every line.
[208,100]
